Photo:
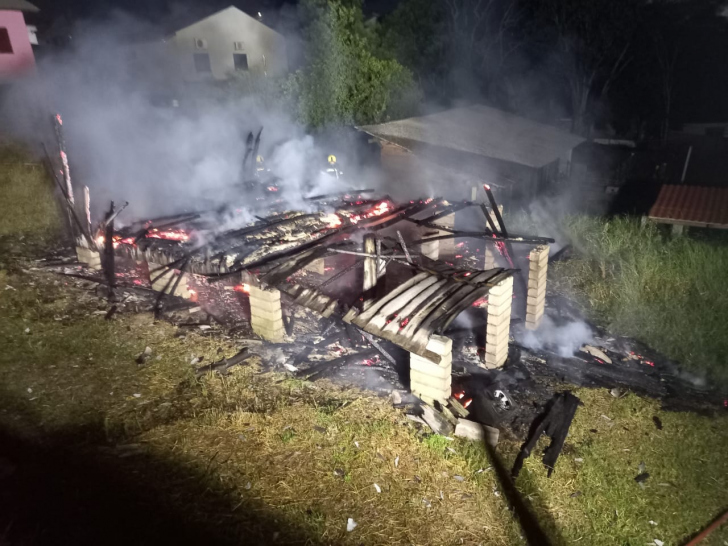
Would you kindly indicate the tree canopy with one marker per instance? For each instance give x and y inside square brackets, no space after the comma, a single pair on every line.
[343,80]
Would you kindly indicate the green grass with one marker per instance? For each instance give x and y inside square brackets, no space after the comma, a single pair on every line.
[228,451]
[29,208]
[669,292]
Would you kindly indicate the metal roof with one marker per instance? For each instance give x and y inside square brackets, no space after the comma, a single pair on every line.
[691,206]
[18,5]
[483,131]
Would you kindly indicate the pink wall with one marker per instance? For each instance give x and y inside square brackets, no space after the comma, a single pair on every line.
[21,61]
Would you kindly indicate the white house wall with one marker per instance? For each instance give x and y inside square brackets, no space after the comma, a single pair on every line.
[265,48]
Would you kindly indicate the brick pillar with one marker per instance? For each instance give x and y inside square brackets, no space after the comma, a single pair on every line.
[428,380]
[431,249]
[266,316]
[447,246]
[88,256]
[370,264]
[490,253]
[500,298]
[160,278]
[537,268]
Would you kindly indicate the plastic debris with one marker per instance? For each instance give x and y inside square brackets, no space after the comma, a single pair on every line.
[459,478]
[30,390]
[575,494]
[350,525]
[396,462]
[290,367]
[579,460]
[27,330]
[339,472]
[377,488]
[356,444]
[427,503]
[137,395]
[659,542]
[641,467]
[248,486]
[653,523]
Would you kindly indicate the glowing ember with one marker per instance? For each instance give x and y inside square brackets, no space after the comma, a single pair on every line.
[170,234]
[332,220]
[242,288]
[101,240]
[480,302]
[193,294]
[459,395]
[467,402]
[272,188]
[404,322]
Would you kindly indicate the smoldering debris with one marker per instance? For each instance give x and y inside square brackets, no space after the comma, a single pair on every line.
[563,338]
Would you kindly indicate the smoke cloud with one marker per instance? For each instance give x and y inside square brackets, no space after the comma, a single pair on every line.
[162,159]
[564,339]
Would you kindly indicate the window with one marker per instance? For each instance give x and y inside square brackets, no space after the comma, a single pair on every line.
[5,45]
[241,61]
[238,46]
[202,63]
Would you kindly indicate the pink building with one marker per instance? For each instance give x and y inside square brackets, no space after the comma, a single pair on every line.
[16,52]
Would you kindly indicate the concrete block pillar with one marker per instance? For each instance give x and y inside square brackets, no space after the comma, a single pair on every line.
[536,301]
[490,253]
[431,249]
[370,264]
[500,298]
[160,277]
[88,256]
[266,316]
[428,380]
[447,246]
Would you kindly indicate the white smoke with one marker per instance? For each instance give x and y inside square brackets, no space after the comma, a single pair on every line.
[162,160]
[564,339]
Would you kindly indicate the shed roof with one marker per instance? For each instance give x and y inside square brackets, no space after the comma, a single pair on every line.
[18,5]
[482,130]
[691,206]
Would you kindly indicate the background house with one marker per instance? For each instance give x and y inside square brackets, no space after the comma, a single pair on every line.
[16,39]
[458,149]
[216,46]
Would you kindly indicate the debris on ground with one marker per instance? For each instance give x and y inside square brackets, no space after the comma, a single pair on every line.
[350,525]
[555,422]
[469,430]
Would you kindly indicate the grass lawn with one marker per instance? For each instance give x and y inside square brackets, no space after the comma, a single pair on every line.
[95,448]
[669,292]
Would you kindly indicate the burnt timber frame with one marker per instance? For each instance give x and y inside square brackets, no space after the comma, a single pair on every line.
[408,315]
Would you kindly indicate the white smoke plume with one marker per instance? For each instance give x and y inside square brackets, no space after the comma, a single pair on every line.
[162,160]
[564,339]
